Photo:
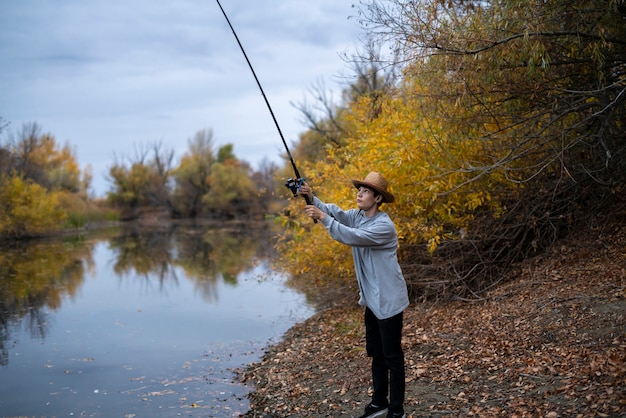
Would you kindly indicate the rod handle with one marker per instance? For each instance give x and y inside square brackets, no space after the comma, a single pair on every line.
[308,202]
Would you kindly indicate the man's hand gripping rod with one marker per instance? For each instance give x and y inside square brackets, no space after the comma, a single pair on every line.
[292,184]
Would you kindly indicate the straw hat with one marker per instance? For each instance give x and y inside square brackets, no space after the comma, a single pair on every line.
[377,182]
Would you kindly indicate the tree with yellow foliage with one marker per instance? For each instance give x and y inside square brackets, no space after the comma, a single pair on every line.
[507,126]
[27,209]
[38,157]
[38,178]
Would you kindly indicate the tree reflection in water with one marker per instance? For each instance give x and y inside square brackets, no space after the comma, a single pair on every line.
[138,321]
[34,276]
[39,276]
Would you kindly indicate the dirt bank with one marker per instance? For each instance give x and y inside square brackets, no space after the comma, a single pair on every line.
[550,343]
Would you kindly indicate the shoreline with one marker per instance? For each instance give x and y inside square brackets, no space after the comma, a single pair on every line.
[551,341]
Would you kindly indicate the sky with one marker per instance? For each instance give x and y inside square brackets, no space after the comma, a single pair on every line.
[108,77]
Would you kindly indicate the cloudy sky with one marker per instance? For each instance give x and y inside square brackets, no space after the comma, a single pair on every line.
[107,76]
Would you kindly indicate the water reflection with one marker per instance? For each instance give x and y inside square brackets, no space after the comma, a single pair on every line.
[36,276]
[133,315]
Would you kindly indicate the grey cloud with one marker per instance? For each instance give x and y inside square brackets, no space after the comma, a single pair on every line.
[102,74]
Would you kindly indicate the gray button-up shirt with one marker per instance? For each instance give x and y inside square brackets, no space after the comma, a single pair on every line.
[374,243]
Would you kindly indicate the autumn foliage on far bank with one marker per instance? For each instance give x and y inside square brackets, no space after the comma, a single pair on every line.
[42,189]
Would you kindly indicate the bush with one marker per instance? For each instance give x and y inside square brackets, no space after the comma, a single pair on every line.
[27,209]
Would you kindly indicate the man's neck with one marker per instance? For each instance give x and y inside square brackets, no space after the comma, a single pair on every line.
[373,210]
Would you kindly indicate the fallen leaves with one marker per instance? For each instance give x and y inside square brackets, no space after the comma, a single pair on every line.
[549,343]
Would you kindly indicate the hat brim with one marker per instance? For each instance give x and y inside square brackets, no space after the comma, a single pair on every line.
[387,197]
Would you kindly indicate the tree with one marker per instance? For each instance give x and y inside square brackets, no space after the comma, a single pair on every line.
[265,184]
[232,190]
[159,188]
[37,157]
[535,93]
[541,83]
[27,209]
[327,124]
[3,124]
[203,183]
[505,130]
[193,172]
[225,153]
[6,159]
[144,181]
[130,183]
[40,183]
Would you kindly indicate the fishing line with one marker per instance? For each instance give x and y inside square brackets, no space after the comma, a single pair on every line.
[293,186]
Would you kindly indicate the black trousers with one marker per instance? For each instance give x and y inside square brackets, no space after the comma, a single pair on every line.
[383,342]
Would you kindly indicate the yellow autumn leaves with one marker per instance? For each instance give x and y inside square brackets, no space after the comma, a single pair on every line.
[498,111]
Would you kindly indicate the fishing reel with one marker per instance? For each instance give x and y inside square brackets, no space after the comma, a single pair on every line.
[294,185]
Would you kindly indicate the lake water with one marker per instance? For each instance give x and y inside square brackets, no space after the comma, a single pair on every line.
[145,324]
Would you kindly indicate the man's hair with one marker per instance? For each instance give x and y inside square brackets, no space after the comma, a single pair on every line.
[376,193]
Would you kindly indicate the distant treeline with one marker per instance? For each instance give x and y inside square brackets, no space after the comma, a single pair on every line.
[42,188]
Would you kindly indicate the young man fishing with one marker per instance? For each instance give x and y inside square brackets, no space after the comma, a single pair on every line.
[382,288]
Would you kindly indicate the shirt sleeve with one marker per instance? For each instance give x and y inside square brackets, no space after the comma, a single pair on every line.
[379,234]
[334,211]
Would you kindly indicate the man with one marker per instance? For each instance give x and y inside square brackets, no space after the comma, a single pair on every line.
[382,288]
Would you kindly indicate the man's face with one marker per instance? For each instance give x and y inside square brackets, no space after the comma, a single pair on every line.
[365,198]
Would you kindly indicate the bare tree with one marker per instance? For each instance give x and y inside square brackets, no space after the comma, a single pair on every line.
[324,118]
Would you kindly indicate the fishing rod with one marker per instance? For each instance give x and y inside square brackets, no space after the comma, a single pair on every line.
[292,184]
